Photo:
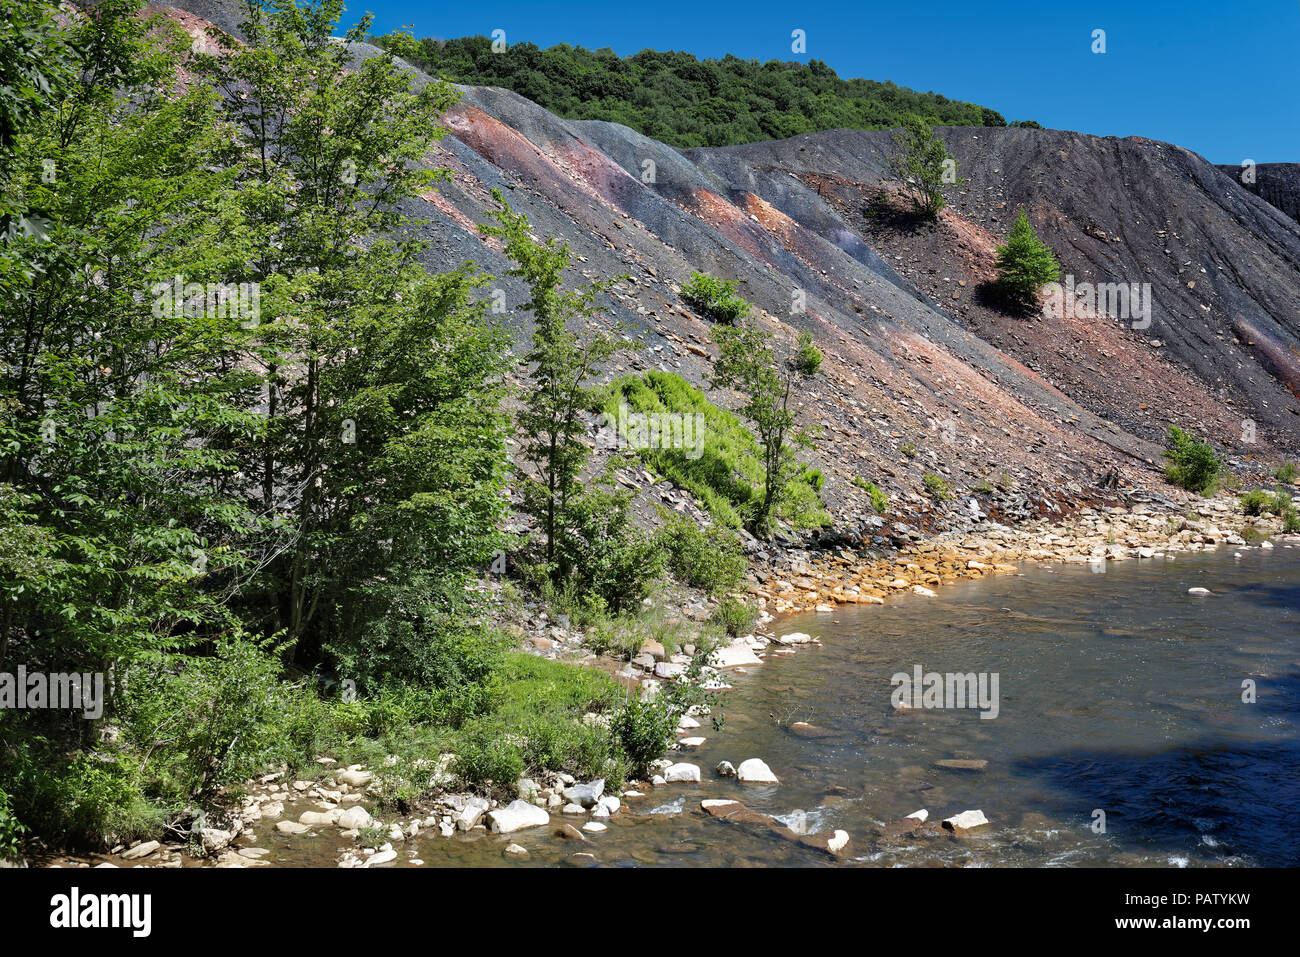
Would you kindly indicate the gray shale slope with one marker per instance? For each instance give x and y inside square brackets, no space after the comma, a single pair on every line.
[916,354]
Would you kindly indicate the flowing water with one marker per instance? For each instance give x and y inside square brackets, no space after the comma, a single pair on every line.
[1118,692]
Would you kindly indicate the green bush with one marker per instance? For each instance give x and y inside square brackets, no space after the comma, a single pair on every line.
[1290,520]
[644,730]
[1286,472]
[726,477]
[613,562]
[11,831]
[937,486]
[735,616]
[488,756]
[1024,265]
[716,298]
[711,558]
[1256,502]
[1193,464]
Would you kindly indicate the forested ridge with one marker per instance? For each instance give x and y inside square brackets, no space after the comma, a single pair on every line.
[681,100]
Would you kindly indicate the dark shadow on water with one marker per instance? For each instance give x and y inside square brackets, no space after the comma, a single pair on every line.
[1243,796]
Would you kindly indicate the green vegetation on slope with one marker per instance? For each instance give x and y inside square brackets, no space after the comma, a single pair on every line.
[727,475]
[681,100]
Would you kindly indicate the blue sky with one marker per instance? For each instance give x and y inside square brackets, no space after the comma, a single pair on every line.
[1220,78]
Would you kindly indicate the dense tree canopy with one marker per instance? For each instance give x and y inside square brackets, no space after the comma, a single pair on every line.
[681,100]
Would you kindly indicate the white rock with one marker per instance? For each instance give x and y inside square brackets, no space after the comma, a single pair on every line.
[965,820]
[515,850]
[682,773]
[516,816]
[735,656]
[381,857]
[317,818]
[356,779]
[215,839]
[141,850]
[714,802]
[1198,591]
[692,742]
[687,723]
[594,827]
[610,803]
[922,590]
[353,819]
[838,841]
[756,771]
[290,827]
[920,815]
[471,813]
[795,638]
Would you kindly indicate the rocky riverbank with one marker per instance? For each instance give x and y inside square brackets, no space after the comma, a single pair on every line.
[821,581]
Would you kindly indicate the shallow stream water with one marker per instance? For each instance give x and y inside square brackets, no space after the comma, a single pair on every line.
[1117,692]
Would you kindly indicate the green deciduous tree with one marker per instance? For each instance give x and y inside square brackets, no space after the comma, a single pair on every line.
[587,538]
[766,383]
[921,163]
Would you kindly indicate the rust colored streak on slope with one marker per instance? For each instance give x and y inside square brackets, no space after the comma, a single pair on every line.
[1274,355]
[731,222]
[597,172]
[508,149]
[440,202]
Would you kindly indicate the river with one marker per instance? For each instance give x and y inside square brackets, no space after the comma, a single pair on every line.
[1120,702]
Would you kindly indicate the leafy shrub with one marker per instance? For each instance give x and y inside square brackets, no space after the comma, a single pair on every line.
[645,729]
[711,558]
[727,475]
[937,487]
[1290,520]
[218,713]
[1193,464]
[11,831]
[424,635]
[485,756]
[622,636]
[1287,472]
[1256,502]
[716,298]
[908,449]
[1024,265]
[735,616]
[613,562]
[807,359]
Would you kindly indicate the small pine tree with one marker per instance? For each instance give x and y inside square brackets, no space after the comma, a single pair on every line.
[1025,264]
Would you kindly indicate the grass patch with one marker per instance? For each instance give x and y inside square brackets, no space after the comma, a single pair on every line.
[726,477]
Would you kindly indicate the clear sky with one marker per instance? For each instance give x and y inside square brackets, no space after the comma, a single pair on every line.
[1221,78]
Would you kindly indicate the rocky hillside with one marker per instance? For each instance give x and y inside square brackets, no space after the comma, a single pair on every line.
[1275,183]
[921,375]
